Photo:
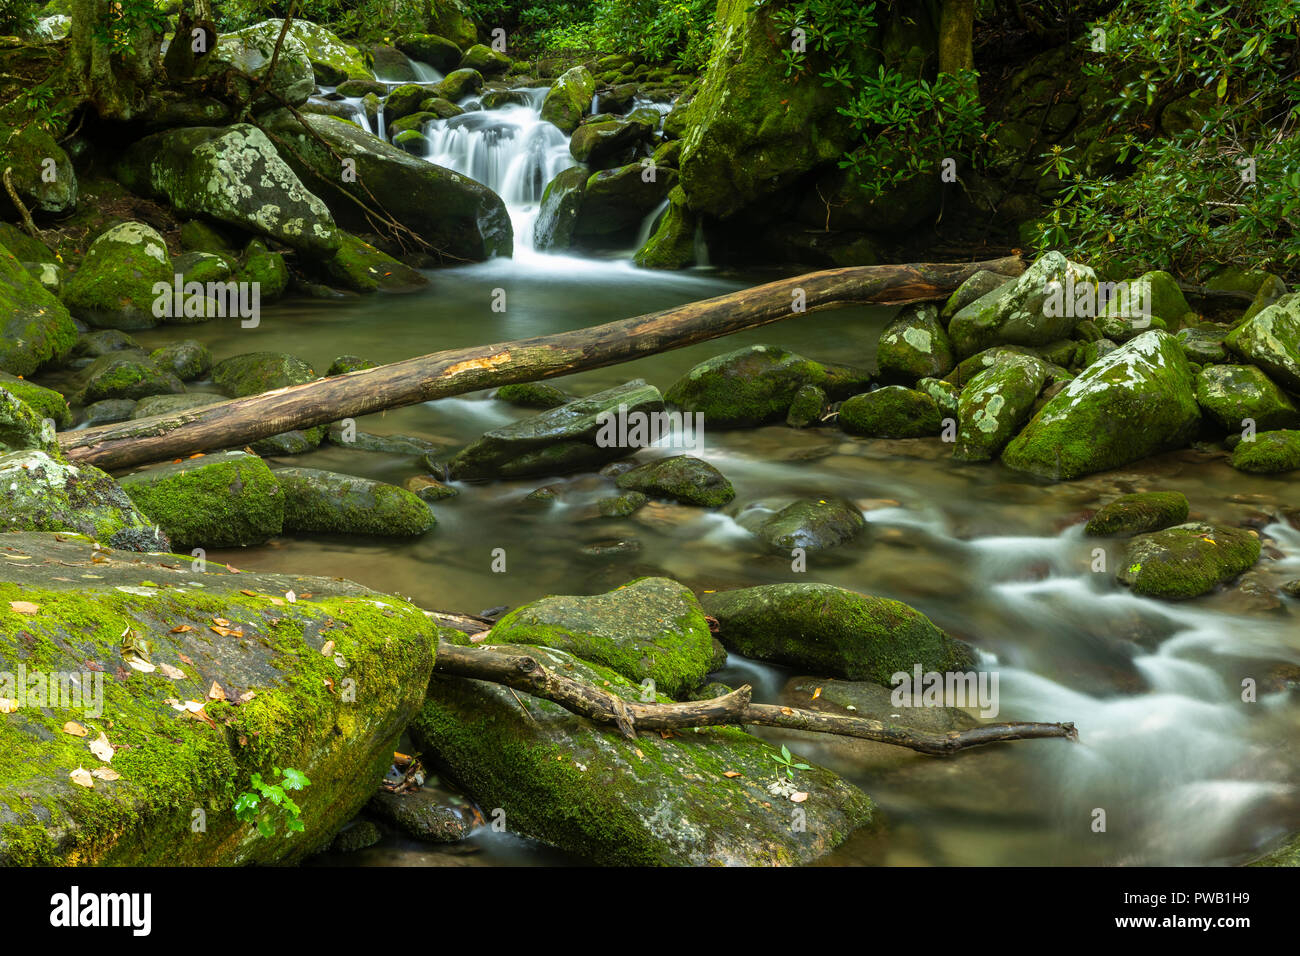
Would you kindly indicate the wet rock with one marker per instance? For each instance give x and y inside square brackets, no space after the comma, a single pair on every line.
[225,500]
[814,524]
[255,372]
[1232,394]
[324,501]
[651,629]
[108,411]
[439,52]
[683,478]
[485,59]
[693,799]
[531,395]
[1268,453]
[832,632]
[127,374]
[994,406]
[1135,402]
[602,145]
[945,395]
[459,84]
[296,442]
[560,441]
[171,404]
[25,148]
[1203,345]
[1124,328]
[672,246]
[203,267]
[915,346]
[358,835]
[45,402]
[168,764]
[428,488]
[421,815]
[187,360]
[1187,560]
[569,99]
[561,202]
[348,363]
[1138,513]
[616,201]
[266,268]
[1271,340]
[332,61]
[891,412]
[348,437]
[361,267]
[977,286]
[621,506]
[807,407]
[113,288]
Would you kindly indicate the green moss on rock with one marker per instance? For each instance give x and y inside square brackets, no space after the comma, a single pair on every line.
[1138,513]
[682,478]
[1268,453]
[1187,560]
[891,412]
[324,501]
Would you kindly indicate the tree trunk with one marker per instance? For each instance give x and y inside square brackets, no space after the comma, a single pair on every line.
[118,86]
[457,371]
[956,36]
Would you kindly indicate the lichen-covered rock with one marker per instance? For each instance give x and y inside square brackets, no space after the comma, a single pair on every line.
[756,384]
[1138,513]
[127,374]
[1135,402]
[361,267]
[683,478]
[45,402]
[1039,307]
[226,500]
[332,61]
[651,629]
[569,99]
[994,405]
[455,213]
[39,492]
[1268,453]
[813,524]
[561,201]
[915,346]
[980,284]
[1187,560]
[945,395]
[251,50]
[1234,395]
[1271,340]
[21,428]
[187,360]
[616,201]
[114,286]
[167,763]
[1122,328]
[693,799]
[891,412]
[1203,345]
[807,407]
[833,632]
[1154,295]
[440,53]
[324,501]
[581,434]
[486,60]
[234,175]
[531,395]
[257,372]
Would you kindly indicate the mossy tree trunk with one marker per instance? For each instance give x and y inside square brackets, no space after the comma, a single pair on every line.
[113,62]
[956,36]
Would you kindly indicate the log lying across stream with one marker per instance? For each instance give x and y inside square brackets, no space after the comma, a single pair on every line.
[456,371]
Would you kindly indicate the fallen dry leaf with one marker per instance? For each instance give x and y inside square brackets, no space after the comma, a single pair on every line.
[23,607]
[817,693]
[220,622]
[327,649]
[101,748]
[175,673]
[74,728]
[732,773]
[787,711]
[247,593]
[798,796]
[105,773]
[181,629]
[215,692]
[246,696]
[8,705]
[226,631]
[143,667]
[81,777]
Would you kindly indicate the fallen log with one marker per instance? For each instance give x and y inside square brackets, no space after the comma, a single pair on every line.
[456,371]
[525,673]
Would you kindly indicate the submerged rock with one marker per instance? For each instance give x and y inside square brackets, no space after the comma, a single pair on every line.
[1268,453]
[285,704]
[324,501]
[695,799]
[1138,513]
[807,407]
[994,405]
[814,524]
[833,632]
[226,500]
[1135,402]
[652,629]
[421,815]
[1187,560]
[691,481]
[1037,308]
[915,346]
[891,412]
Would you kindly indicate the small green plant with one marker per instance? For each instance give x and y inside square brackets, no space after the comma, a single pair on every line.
[268,803]
[786,760]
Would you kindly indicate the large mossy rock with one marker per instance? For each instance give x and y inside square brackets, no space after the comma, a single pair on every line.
[35,327]
[257,372]
[891,412]
[21,428]
[1154,295]
[486,60]
[40,492]
[651,629]
[694,799]
[915,346]
[1138,513]
[755,385]
[833,632]
[608,143]
[127,373]
[458,215]
[672,246]
[813,524]
[1187,560]
[993,406]
[43,187]
[251,50]
[683,478]
[569,99]
[45,402]
[234,175]
[225,500]
[327,502]
[452,19]
[333,716]
[1134,402]
[1233,394]
[1268,453]
[361,267]
[114,286]
[572,437]
[437,51]
[616,201]
[1271,340]
[332,61]
[561,203]
[1039,307]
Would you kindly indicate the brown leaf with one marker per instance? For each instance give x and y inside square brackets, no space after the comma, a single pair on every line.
[798,796]
[327,649]
[175,673]
[74,728]
[105,773]
[247,592]
[817,693]
[215,692]
[732,773]
[220,622]
[181,629]
[81,777]
[185,660]
[23,607]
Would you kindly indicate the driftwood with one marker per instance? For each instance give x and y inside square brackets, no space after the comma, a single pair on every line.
[456,371]
[525,673]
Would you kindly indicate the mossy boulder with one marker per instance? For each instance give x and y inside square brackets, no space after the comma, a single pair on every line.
[1268,453]
[43,176]
[1187,560]
[226,500]
[404,101]
[1135,402]
[288,705]
[833,632]
[891,412]
[694,799]
[1271,340]
[977,286]
[440,108]
[683,478]
[946,395]
[813,524]
[251,51]
[1232,394]
[451,19]
[486,60]
[40,492]
[171,404]
[569,98]
[651,629]
[807,407]
[127,374]
[616,201]
[203,267]
[267,269]
[45,402]
[361,267]
[234,175]
[439,52]
[324,501]
[672,245]
[756,384]
[458,84]
[187,360]
[1039,307]
[24,247]
[1152,295]
[349,363]
[332,61]
[107,411]
[114,286]
[579,435]
[1138,513]
[993,407]
[257,372]
[606,144]
[531,395]
[1203,345]
[455,213]
[21,428]
[411,122]
[561,202]
[915,346]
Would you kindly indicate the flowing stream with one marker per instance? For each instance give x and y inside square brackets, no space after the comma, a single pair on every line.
[1185,771]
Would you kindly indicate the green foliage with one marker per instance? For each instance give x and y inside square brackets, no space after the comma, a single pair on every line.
[679,30]
[786,760]
[17,17]
[1220,82]
[268,803]
[344,17]
[127,22]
